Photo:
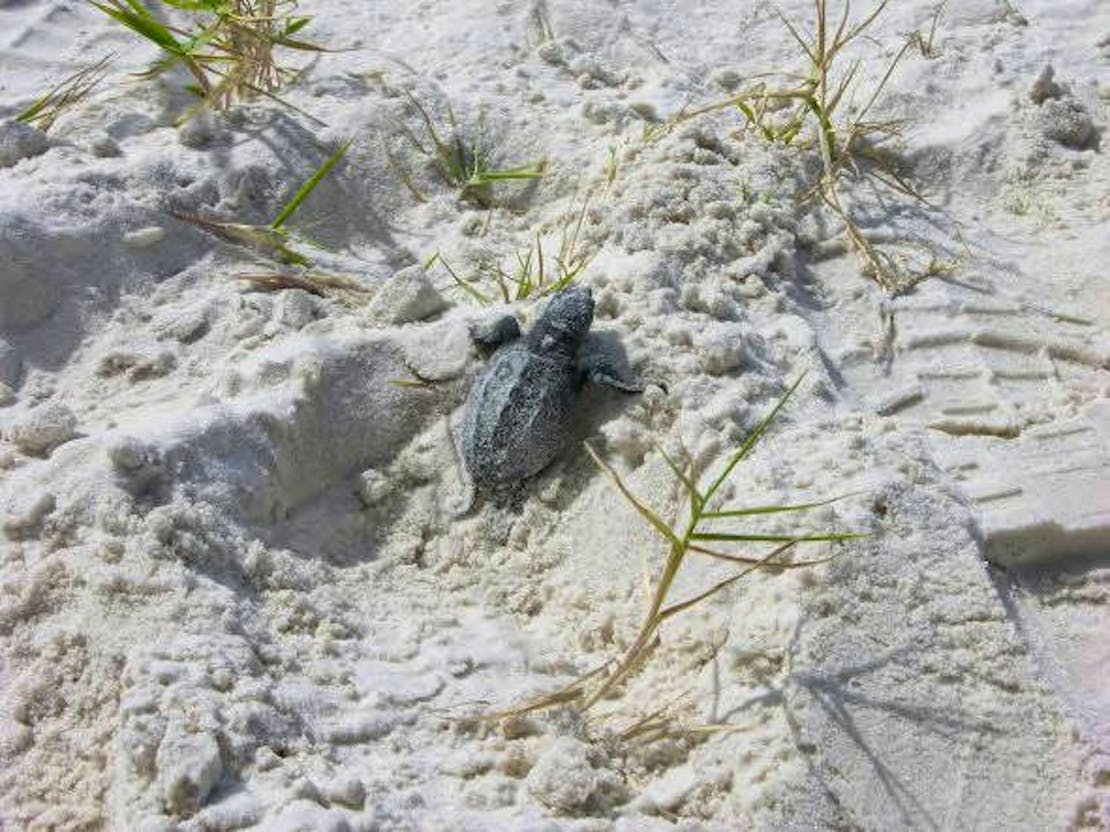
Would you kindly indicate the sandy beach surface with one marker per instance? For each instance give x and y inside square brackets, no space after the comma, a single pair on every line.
[238,586]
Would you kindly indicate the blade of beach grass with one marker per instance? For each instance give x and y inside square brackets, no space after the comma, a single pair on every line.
[696,498]
[277,281]
[64,95]
[675,609]
[462,284]
[752,439]
[644,510]
[261,238]
[748,560]
[308,187]
[745,512]
[773,538]
[140,21]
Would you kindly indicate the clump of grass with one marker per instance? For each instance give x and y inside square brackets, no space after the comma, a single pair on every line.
[273,241]
[533,273]
[227,46]
[466,164]
[66,94]
[808,111]
[698,536]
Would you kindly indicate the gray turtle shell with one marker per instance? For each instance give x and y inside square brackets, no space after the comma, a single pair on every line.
[518,416]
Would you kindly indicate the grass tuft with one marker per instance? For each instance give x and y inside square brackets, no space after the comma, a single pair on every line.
[682,541]
[809,110]
[534,271]
[226,46]
[466,164]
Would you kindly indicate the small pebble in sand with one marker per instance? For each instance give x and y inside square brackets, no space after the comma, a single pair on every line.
[1067,122]
[44,428]
[128,454]
[105,147]
[189,765]
[564,780]
[346,791]
[295,308]
[406,297]
[373,487]
[144,237]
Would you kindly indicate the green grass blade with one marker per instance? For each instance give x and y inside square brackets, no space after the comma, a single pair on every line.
[66,94]
[644,510]
[487,177]
[308,187]
[674,609]
[462,284]
[750,561]
[687,482]
[775,538]
[141,23]
[138,7]
[213,6]
[295,25]
[752,439]
[745,512]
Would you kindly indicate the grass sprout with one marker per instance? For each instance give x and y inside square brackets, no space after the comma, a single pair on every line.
[808,110]
[683,540]
[66,94]
[463,163]
[533,272]
[227,46]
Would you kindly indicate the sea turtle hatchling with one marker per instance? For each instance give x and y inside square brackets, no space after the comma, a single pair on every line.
[520,411]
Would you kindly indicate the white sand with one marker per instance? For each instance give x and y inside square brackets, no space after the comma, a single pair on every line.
[204,626]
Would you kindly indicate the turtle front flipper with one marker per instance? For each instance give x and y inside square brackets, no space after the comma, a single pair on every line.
[489,335]
[602,369]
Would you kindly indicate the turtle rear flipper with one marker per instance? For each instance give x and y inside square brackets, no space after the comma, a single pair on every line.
[469,502]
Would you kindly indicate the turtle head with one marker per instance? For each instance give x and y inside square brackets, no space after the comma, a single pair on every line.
[565,322]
